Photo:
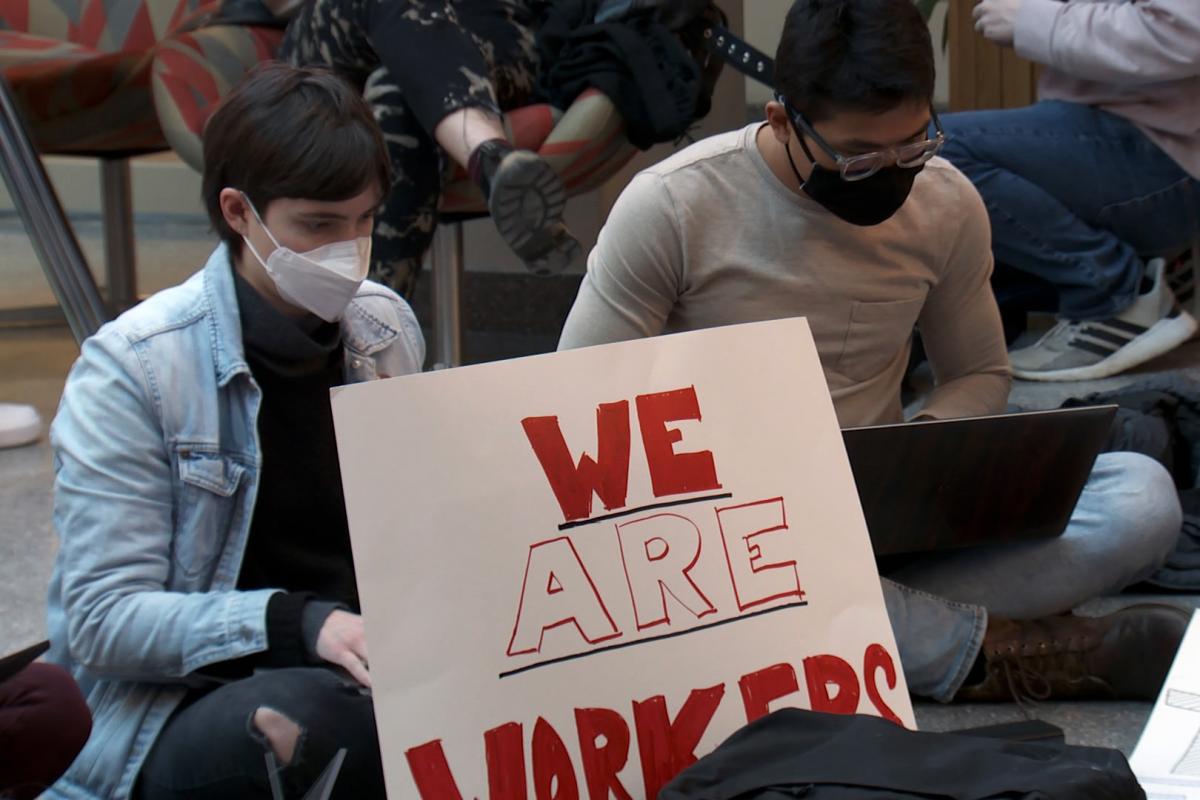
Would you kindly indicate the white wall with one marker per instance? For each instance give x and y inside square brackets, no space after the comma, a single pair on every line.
[764,21]
[162,184]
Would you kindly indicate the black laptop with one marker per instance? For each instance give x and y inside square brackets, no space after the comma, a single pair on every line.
[979,480]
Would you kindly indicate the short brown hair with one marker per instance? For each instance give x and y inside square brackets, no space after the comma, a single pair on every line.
[295,132]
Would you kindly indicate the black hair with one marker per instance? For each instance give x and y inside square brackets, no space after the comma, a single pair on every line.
[854,55]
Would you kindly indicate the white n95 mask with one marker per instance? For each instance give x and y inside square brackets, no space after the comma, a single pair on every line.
[322,281]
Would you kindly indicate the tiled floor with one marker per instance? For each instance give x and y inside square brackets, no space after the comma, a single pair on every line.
[34,362]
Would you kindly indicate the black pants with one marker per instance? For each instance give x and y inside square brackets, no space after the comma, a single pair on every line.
[210,747]
[418,61]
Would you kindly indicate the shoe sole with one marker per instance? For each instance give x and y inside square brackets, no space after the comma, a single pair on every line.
[1162,337]
[526,204]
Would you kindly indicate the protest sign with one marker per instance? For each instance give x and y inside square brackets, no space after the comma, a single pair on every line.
[581,571]
[1167,757]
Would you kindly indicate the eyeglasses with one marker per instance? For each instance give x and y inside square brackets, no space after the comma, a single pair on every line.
[861,167]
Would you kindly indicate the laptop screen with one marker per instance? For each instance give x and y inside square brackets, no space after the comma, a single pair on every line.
[980,480]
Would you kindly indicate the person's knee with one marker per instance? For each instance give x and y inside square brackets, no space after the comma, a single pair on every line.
[64,709]
[306,716]
[962,135]
[1146,506]
[1163,514]
[44,724]
[955,149]
[281,733]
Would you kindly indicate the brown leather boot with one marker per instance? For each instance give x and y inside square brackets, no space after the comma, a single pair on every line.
[1125,655]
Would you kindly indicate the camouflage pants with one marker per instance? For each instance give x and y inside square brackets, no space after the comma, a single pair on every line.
[417,61]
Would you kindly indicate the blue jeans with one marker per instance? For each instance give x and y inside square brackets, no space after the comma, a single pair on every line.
[210,748]
[1124,525]
[1077,197]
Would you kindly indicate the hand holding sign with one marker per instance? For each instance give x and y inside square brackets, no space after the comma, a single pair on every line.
[342,641]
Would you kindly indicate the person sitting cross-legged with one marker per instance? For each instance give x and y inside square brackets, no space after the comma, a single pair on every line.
[204,593]
[837,208]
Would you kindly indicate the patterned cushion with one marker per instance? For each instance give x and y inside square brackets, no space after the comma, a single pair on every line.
[79,100]
[585,144]
[122,76]
[24,48]
[193,71]
[107,26]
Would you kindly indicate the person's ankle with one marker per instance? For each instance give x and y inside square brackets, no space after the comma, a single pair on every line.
[484,160]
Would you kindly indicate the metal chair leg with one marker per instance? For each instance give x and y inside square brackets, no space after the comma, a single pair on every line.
[446,263]
[116,204]
[53,240]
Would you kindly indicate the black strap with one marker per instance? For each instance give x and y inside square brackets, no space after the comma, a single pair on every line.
[740,55]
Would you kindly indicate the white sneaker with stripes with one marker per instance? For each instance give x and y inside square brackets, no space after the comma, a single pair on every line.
[1076,350]
[1181,277]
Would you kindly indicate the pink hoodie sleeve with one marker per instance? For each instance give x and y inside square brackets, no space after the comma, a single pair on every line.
[1121,42]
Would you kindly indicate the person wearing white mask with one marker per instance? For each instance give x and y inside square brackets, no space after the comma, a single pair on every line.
[319,281]
[204,595]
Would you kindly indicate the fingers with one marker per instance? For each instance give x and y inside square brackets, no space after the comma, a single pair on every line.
[356,667]
[994,20]
[983,14]
[354,639]
[343,641]
[982,17]
[358,654]
[361,651]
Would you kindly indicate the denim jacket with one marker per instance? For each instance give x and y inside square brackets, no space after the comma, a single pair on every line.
[157,465]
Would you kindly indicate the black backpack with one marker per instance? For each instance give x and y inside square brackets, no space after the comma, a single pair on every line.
[804,754]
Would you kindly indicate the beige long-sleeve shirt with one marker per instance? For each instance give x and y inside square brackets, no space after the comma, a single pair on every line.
[1138,59]
[711,237]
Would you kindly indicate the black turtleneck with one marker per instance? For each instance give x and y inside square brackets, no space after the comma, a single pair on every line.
[299,537]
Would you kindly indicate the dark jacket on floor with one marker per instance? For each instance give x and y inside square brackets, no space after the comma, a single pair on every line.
[1160,417]
[795,753]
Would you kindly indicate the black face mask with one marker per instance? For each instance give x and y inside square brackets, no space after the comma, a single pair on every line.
[867,202]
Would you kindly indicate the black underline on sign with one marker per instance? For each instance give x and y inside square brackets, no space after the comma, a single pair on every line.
[629,511]
[649,639]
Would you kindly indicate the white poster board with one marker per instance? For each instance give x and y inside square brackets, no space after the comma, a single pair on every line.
[1167,757]
[591,635]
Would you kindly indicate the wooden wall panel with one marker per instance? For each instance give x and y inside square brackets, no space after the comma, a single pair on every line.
[983,75]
